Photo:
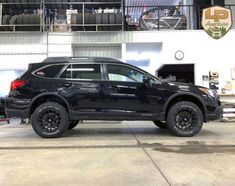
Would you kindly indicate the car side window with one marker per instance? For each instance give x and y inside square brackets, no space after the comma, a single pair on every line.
[49,71]
[123,73]
[82,71]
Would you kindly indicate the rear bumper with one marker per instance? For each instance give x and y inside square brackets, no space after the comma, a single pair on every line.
[17,113]
[15,107]
[216,114]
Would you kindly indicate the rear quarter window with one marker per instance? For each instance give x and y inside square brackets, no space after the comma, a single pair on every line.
[49,71]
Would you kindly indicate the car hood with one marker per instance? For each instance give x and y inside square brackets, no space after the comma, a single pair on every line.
[183,87]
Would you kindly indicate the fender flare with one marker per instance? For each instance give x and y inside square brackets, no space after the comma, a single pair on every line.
[50,94]
[184,94]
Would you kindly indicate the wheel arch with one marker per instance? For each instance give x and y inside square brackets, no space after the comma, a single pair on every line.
[185,97]
[45,97]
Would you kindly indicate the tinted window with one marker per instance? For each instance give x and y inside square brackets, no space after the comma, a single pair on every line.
[82,71]
[49,71]
[122,73]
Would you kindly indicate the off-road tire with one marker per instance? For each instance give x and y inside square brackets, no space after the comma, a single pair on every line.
[50,120]
[184,119]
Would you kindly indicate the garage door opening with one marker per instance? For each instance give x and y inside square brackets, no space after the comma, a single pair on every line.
[176,73]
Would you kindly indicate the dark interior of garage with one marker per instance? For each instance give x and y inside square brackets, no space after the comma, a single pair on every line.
[177,72]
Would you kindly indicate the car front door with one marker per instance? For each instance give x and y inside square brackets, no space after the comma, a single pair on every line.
[128,92]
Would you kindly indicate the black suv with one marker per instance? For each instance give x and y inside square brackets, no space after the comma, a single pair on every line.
[60,91]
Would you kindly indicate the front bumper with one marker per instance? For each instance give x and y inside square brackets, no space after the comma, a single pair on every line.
[216,114]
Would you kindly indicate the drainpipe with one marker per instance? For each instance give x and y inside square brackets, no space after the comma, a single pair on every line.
[212,2]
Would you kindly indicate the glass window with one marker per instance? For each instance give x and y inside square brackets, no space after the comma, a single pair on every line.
[122,73]
[82,71]
[49,71]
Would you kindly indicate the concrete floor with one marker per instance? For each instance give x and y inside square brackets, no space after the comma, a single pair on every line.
[114,153]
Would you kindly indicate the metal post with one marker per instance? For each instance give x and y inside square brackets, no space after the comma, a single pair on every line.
[47,35]
[158,18]
[199,18]
[0,13]
[189,20]
[83,15]
[212,2]
[194,18]
[123,14]
[43,16]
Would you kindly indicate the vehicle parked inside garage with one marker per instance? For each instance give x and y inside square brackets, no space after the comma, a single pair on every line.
[60,91]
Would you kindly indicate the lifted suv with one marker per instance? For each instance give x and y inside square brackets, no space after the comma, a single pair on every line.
[60,91]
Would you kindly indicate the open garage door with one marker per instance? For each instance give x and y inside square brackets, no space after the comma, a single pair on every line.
[183,73]
[113,51]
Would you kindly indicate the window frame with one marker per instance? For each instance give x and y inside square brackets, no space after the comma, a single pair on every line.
[103,71]
[46,66]
[82,63]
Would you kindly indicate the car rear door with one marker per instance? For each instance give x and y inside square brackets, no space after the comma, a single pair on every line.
[81,86]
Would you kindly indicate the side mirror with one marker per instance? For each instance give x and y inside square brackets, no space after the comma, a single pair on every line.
[147,81]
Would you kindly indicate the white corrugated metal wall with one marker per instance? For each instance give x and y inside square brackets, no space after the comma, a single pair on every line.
[95,50]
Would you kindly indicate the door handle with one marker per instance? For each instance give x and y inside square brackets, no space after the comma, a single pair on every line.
[115,88]
[66,85]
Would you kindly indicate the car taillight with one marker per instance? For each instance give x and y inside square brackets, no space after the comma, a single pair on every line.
[17,84]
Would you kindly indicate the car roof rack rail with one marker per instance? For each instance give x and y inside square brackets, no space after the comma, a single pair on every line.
[76,59]
[56,59]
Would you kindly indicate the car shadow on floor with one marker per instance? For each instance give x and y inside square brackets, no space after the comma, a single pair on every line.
[115,131]
[154,131]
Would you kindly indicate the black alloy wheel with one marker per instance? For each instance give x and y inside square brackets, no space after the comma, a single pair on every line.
[184,119]
[50,119]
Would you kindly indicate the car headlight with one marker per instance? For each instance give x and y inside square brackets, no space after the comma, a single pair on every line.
[210,92]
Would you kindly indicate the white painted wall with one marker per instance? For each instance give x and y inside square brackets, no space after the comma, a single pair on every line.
[144,51]
[15,61]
